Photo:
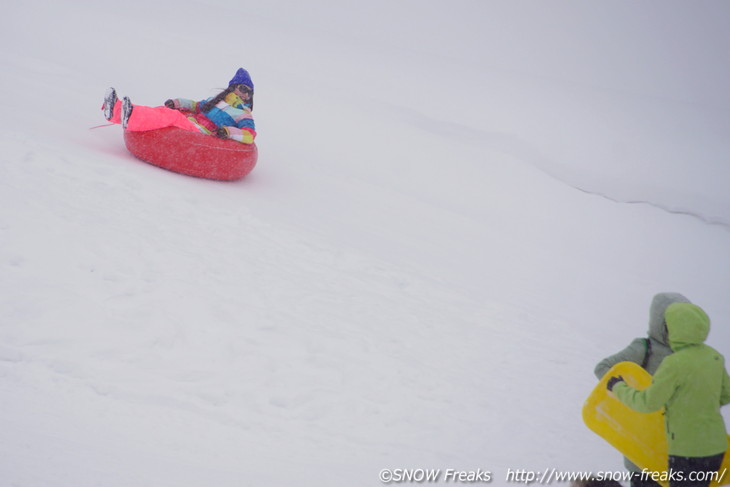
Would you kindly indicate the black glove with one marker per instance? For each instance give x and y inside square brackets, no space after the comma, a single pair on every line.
[613,381]
[170,104]
[222,133]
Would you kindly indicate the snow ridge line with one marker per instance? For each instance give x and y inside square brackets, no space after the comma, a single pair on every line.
[515,146]
[708,221]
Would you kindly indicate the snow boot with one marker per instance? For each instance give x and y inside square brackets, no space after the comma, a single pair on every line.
[110,99]
[126,111]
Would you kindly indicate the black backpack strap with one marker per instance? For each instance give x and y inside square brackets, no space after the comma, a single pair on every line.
[647,353]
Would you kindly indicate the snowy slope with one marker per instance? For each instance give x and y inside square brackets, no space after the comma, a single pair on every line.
[458,210]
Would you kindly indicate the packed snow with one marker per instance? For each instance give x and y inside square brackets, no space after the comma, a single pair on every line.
[458,209]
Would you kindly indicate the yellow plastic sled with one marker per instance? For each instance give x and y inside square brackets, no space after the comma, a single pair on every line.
[640,437]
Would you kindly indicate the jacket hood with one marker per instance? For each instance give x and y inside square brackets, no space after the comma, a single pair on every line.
[688,325]
[659,305]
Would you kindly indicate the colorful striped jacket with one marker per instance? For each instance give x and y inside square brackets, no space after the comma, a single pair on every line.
[230,113]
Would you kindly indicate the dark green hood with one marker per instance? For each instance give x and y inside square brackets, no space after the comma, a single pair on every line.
[687,324]
[659,306]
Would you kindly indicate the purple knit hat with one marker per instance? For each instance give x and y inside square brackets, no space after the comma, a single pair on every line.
[241,78]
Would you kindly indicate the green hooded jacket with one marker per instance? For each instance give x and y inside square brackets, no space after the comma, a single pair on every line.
[691,384]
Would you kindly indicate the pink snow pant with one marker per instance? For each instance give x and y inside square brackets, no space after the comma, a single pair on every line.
[151,118]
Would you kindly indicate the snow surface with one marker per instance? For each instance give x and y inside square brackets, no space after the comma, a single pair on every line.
[459,208]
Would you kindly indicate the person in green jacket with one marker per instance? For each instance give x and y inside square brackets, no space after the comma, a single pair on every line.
[648,351]
[691,384]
